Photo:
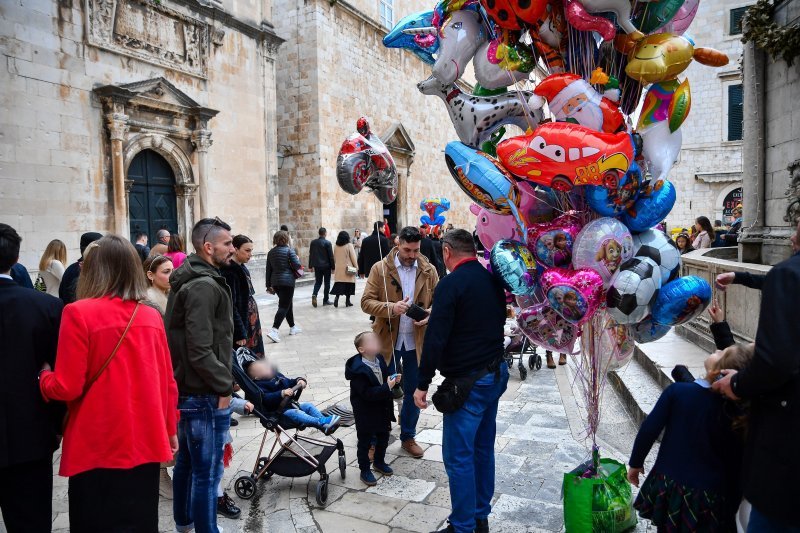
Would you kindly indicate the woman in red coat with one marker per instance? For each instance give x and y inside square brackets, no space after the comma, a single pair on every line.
[114,370]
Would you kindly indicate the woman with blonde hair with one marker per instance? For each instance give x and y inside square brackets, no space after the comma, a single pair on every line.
[114,371]
[51,266]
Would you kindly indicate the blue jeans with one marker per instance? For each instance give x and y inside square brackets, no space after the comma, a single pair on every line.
[468,451]
[409,413]
[307,415]
[202,432]
[760,523]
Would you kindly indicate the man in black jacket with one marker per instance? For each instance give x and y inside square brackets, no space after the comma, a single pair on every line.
[320,260]
[772,385]
[427,249]
[373,249]
[464,342]
[69,282]
[29,322]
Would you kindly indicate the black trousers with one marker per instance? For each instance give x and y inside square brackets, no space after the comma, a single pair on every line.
[320,275]
[26,496]
[285,307]
[365,440]
[114,500]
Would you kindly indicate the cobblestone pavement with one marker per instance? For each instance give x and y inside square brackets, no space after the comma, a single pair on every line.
[538,432]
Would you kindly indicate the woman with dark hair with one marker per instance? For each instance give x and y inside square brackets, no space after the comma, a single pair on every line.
[705,233]
[176,251]
[683,243]
[344,275]
[246,322]
[283,266]
[114,371]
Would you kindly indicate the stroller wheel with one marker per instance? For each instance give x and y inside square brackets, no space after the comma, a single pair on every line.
[245,487]
[342,466]
[538,362]
[523,372]
[532,361]
[322,492]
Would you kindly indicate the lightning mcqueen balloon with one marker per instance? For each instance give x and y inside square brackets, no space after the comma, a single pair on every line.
[562,155]
[364,161]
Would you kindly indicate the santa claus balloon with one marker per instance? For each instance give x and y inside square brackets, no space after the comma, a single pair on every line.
[572,99]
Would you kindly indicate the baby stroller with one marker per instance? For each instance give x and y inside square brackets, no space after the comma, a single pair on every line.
[520,346]
[288,457]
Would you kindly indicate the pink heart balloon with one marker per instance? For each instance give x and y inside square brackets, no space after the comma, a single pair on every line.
[546,328]
[551,242]
[573,294]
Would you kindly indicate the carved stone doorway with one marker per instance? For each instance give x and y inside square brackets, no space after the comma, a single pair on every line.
[400,145]
[152,203]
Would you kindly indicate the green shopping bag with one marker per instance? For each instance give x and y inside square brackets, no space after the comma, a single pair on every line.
[598,500]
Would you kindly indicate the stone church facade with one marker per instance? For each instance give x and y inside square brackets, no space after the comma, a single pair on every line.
[133,115]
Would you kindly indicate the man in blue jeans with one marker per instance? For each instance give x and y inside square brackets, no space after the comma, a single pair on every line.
[464,342]
[199,324]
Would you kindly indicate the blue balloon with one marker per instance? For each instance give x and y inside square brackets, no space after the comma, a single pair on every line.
[438,221]
[654,204]
[612,203]
[514,266]
[423,46]
[681,300]
[649,331]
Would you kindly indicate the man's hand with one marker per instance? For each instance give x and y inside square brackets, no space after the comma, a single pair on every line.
[723,280]
[288,393]
[423,322]
[716,312]
[248,407]
[400,308]
[173,444]
[723,386]
[633,475]
[224,402]
[421,398]
[241,342]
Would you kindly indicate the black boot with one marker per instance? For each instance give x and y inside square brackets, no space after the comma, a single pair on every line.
[347,302]
[481,525]
[226,507]
[336,301]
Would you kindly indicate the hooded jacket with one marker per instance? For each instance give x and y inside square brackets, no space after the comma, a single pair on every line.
[272,390]
[199,323]
[372,401]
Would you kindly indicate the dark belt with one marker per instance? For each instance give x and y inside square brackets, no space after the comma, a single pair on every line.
[184,397]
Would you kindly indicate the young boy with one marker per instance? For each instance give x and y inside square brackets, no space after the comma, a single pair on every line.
[275,386]
[371,383]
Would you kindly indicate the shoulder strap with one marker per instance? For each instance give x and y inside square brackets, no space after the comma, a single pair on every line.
[113,353]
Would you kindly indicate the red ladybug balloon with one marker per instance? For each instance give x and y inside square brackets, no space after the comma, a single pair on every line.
[514,14]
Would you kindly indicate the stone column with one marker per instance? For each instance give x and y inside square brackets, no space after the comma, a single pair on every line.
[753,154]
[201,139]
[117,124]
[185,195]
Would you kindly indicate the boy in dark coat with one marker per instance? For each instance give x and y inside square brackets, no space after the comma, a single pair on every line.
[371,383]
[275,387]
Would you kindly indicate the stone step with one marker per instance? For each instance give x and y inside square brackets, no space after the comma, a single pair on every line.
[637,388]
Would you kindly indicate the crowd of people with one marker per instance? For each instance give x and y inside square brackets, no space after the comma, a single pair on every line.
[705,235]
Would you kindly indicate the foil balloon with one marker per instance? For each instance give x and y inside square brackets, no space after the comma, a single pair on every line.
[423,46]
[551,242]
[573,294]
[572,98]
[580,16]
[616,343]
[660,148]
[546,328]
[434,207]
[492,227]
[633,291]
[364,161]
[603,245]
[663,56]
[656,200]
[536,203]
[561,155]
[661,250]
[654,15]
[514,14]
[684,17]
[514,266]
[476,118]
[613,202]
[649,331]
[681,300]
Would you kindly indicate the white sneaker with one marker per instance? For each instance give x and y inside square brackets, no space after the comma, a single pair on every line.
[272,334]
[294,330]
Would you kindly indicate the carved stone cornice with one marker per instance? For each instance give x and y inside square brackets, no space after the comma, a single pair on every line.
[183,190]
[201,140]
[117,124]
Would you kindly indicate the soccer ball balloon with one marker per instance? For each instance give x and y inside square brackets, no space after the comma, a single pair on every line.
[633,290]
[656,246]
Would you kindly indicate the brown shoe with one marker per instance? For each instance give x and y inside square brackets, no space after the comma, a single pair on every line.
[562,359]
[550,362]
[371,453]
[413,449]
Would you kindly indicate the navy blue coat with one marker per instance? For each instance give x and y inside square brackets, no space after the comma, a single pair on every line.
[372,401]
[281,264]
[272,390]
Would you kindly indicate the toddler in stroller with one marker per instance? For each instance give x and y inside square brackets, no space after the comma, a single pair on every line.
[275,387]
[292,454]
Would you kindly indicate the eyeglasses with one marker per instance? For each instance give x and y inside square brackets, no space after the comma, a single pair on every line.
[215,223]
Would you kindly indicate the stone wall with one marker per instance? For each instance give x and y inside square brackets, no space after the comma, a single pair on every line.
[333,69]
[708,166]
[55,175]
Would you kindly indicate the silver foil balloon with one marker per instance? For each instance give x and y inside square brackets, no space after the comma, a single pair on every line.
[513,264]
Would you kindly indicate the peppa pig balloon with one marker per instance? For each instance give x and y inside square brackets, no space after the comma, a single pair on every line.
[573,294]
[492,227]
[551,242]
[536,204]
[513,264]
[546,328]
[603,245]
